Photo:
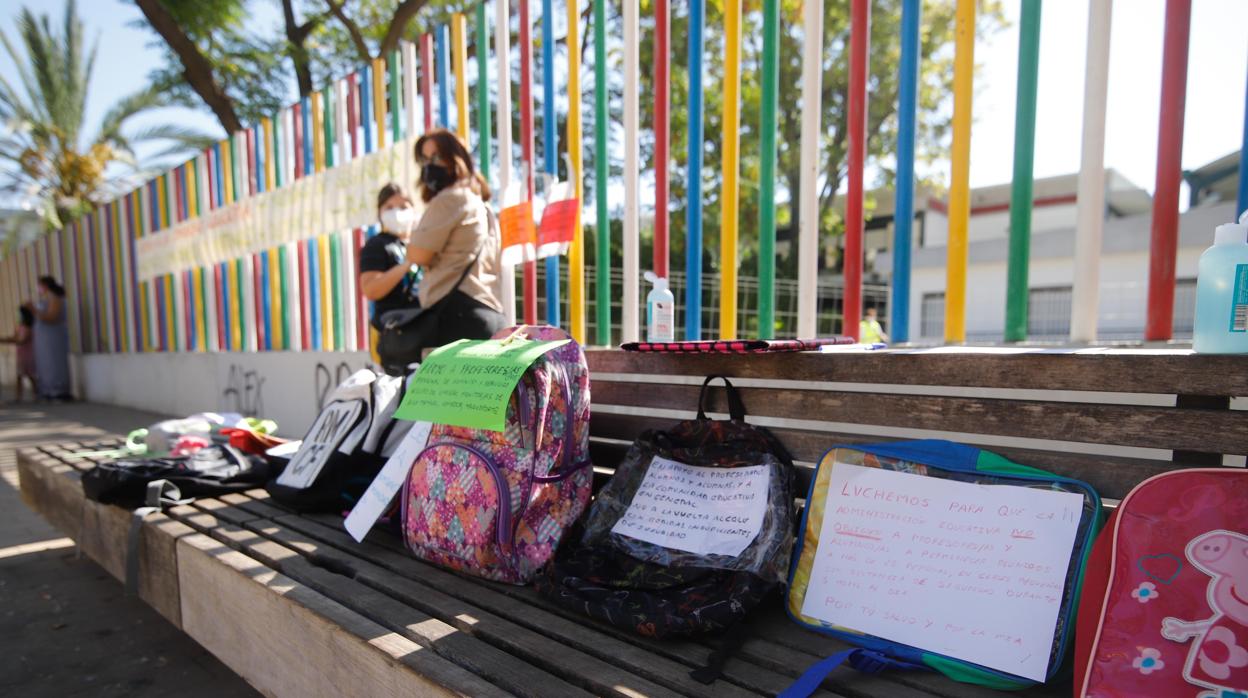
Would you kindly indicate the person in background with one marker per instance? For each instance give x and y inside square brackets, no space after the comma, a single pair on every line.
[386,277]
[51,341]
[456,242]
[869,330]
[23,340]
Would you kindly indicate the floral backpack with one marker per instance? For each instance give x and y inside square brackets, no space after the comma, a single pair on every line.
[1164,610]
[496,503]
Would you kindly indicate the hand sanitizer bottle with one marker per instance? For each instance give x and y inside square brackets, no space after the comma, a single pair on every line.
[660,311]
[1221,325]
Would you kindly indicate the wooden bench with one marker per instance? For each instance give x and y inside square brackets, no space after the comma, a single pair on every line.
[299,609]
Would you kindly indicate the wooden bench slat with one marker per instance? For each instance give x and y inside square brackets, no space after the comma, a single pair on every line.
[511,674]
[1218,431]
[1111,476]
[591,673]
[287,639]
[579,632]
[1203,374]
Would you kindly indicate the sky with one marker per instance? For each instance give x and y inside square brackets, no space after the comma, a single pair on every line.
[1217,76]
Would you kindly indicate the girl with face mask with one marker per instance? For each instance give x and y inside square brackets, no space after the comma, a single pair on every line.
[456,243]
[386,277]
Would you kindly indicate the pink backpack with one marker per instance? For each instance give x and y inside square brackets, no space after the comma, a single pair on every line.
[1164,609]
[495,504]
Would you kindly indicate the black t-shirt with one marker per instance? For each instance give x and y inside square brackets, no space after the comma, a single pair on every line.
[383,252]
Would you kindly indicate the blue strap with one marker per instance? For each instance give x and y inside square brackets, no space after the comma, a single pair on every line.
[866,661]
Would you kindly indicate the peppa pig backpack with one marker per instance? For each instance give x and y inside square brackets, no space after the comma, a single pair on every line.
[1164,610]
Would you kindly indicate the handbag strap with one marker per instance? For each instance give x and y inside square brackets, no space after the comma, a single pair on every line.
[480,246]
[736,408]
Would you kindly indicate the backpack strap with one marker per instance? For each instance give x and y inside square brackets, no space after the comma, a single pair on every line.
[864,660]
[736,408]
[160,493]
[731,640]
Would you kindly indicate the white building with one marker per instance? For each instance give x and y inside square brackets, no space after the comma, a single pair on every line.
[1123,267]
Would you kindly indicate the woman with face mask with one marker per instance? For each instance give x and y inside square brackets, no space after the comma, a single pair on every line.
[386,277]
[456,244]
[51,341]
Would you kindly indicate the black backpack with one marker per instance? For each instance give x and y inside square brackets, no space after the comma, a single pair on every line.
[346,446]
[660,591]
[209,472]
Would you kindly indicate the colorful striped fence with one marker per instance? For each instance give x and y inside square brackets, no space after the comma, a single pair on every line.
[295,289]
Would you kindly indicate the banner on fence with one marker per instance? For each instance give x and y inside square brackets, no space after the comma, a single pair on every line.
[337,199]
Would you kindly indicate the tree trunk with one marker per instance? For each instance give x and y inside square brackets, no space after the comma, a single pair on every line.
[196,69]
[297,35]
[398,24]
[353,30]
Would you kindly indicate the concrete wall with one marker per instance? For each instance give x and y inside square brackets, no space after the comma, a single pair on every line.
[289,387]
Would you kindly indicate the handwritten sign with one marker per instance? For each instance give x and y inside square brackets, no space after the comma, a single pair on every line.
[971,571]
[330,431]
[516,224]
[376,499]
[468,383]
[558,222]
[706,511]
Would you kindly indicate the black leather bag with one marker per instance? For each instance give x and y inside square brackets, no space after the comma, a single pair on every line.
[407,332]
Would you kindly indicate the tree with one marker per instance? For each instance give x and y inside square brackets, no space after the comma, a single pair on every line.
[214,55]
[45,155]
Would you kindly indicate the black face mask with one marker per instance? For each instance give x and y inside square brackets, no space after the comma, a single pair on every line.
[436,177]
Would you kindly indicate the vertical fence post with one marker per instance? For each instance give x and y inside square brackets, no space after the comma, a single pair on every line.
[632,170]
[526,148]
[959,190]
[1164,244]
[1024,153]
[1090,211]
[602,268]
[808,201]
[459,29]
[502,53]
[576,252]
[767,172]
[693,211]
[859,51]
[903,215]
[550,146]
[730,195]
[662,128]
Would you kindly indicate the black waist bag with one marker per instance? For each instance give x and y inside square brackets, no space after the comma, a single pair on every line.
[209,472]
[659,591]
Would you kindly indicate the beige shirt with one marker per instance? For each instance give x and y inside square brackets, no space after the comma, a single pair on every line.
[455,224]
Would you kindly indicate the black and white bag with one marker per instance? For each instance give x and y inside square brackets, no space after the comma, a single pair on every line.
[346,446]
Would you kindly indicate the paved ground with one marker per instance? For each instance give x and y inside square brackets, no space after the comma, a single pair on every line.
[66,626]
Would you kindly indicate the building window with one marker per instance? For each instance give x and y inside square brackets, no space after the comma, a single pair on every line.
[1184,306]
[1048,312]
[932,315]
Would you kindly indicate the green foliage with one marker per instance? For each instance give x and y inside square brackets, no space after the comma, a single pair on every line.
[44,156]
[247,61]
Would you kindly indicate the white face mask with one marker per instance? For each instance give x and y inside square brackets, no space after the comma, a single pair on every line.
[398,220]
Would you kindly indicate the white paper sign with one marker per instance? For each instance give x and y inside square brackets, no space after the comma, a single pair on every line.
[331,427]
[376,499]
[971,571]
[699,510]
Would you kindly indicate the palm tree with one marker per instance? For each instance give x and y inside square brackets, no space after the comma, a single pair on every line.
[45,158]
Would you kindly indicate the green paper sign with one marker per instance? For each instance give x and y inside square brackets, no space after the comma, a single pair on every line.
[468,383]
